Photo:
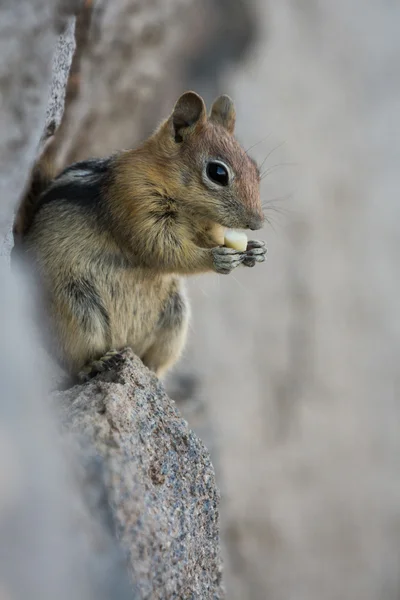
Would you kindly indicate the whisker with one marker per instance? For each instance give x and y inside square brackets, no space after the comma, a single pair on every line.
[276,210]
[257,143]
[237,281]
[246,152]
[278,198]
[271,152]
[277,166]
[270,204]
[272,212]
[197,284]
[271,223]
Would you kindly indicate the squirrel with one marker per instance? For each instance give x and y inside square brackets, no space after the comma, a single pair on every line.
[112,237]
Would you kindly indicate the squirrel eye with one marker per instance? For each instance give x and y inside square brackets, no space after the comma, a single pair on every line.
[218,173]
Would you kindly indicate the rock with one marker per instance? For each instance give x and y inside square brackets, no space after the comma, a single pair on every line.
[61,66]
[55,539]
[136,46]
[147,54]
[158,480]
[28,37]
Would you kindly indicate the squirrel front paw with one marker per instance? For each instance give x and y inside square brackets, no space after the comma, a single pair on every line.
[226,259]
[255,252]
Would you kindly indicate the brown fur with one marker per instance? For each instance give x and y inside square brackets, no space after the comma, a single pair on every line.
[111,271]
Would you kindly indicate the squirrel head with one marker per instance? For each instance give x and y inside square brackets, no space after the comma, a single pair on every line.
[205,167]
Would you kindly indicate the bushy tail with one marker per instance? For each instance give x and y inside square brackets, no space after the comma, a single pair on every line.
[42,174]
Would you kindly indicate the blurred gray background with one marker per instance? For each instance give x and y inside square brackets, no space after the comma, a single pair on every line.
[291,373]
[298,360]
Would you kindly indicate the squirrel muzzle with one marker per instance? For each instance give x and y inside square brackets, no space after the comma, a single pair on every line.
[256,222]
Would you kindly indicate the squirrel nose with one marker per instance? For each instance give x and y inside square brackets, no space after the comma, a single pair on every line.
[256,222]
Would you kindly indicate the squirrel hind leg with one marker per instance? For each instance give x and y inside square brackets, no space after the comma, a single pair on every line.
[165,352]
[170,337]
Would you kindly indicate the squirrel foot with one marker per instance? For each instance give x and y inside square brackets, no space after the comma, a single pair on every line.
[255,252]
[109,361]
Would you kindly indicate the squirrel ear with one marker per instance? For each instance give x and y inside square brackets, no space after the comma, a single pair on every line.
[188,111]
[223,112]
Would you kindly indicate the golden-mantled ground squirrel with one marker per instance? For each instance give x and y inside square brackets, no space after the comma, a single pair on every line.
[111,237]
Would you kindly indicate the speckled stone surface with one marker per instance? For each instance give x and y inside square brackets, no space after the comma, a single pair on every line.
[133,54]
[60,69]
[159,479]
[33,73]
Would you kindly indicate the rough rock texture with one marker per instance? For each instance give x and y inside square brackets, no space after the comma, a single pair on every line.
[136,47]
[159,481]
[147,54]
[28,35]
[62,60]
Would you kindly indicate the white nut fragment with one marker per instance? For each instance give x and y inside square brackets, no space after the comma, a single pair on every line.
[235,240]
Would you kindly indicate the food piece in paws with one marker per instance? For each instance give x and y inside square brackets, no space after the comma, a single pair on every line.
[236,240]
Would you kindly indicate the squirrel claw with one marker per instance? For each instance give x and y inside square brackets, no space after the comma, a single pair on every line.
[256,252]
[226,259]
[253,244]
[109,361]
